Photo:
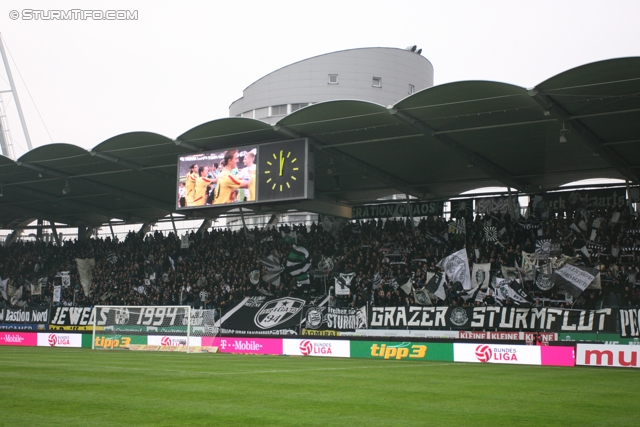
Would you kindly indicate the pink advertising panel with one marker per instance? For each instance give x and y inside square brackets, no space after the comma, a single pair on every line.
[251,345]
[19,338]
[557,356]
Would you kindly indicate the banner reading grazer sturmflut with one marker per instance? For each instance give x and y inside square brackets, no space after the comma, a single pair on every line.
[493,318]
[264,316]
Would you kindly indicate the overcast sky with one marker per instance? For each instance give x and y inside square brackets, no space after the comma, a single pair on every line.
[181,64]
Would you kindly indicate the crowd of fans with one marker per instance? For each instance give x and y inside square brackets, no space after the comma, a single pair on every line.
[214,270]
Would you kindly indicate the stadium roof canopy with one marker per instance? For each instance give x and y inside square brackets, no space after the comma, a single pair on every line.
[434,144]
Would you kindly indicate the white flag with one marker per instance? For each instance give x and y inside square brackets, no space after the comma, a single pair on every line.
[529,264]
[456,266]
[56,293]
[480,275]
[3,288]
[85,271]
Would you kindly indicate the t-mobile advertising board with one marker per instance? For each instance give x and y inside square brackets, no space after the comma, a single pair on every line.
[612,356]
[19,338]
[322,348]
[514,354]
[59,340]
[251,345]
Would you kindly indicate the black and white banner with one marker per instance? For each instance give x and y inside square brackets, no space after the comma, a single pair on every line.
[629,322]
[487,205]
[390,210]
[587,199]
[334,318]
[573,279]
[82,318]
[487,318]
[264,316]
[343,283]
[38,314]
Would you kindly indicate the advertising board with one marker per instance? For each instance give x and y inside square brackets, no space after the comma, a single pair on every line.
[19,338]
[321,348]
[59,340]
[172,340]
[402,350]
[251,345]
[613,356]
[489,353]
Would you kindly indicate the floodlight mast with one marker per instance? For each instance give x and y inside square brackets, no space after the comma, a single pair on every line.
[15,94]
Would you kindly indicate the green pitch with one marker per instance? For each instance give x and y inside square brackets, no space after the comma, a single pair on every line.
[80,387]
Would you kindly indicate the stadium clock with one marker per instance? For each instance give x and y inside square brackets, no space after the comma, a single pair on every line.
[283,170]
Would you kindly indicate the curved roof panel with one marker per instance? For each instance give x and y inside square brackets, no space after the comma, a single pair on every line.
[435,144]
[229,132]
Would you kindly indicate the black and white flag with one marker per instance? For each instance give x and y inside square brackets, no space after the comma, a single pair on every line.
[574,279]
[543,280]
[272,268]
[456,266]
[511,290]
[480,275]
[520,296]
[343,283]
[405,284]
[435,285]
[422,297]
[471,294]
[112,258]
[3,288]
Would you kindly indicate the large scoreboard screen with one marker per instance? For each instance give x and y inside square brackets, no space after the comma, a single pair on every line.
[271,172]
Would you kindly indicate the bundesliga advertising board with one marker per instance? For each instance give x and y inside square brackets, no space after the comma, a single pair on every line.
[514,354]
[245,175]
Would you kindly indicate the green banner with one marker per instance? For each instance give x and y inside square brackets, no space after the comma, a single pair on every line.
[118,341]
[600,337]
[402,350]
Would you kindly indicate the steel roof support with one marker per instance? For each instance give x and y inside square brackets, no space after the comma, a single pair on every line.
[83,207]
[592,141]
[12,237]
[129,165]
[206,223]
[54,231]
[137,198]
[472,157]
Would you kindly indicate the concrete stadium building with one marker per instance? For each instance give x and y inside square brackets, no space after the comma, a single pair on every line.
[380,75]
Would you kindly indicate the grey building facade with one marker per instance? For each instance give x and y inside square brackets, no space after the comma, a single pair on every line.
[376,74]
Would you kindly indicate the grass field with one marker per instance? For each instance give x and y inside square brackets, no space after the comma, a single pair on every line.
[80,387]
